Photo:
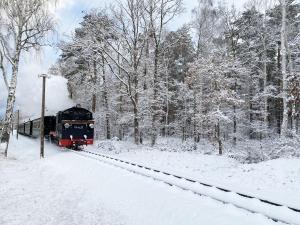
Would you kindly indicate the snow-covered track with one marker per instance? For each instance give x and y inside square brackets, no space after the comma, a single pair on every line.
[272,210]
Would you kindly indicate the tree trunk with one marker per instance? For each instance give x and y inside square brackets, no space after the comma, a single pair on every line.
[218,136]
[166,129]
[5,135]
[105,96]
[5,82]
[284,125]
[141,138]
[297,123]
[108,133]
[234,117]
[251,135]
[234,125]
[136,126]
[265,75]
[121,112]
[135,111]
[121,132]
[195,132]
[120,100]
[155,96]
[94,100]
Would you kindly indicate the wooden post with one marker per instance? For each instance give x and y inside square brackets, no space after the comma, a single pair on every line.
[18,122]
[44,76]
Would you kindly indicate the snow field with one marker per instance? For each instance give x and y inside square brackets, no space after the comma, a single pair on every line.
[65,188]
[275,180]
[283,213]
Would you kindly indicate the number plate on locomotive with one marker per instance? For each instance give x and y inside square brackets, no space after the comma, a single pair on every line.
[78,126]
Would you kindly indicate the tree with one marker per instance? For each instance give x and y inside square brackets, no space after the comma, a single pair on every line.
[178,53]
[158,14]
[214,75]
[226,86]
[25,24]
[251,46]
[206,18]
[83,64]
[127,53]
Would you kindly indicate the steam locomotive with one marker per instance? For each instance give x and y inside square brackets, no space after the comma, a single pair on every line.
[71,128]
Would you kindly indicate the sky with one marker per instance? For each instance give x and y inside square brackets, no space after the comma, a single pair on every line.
[68,14]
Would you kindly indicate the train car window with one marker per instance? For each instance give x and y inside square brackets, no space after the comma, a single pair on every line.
[36,124]
[30,127]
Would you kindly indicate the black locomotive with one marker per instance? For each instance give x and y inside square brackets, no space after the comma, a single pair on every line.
[74,127]
[70,128]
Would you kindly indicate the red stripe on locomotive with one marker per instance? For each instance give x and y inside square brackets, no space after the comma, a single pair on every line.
[70,143]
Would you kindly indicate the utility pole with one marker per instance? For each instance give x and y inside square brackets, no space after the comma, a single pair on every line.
[44,76]
[18,122]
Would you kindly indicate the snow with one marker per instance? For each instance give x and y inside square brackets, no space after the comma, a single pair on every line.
[56,95]
[276,180]
[68,188]
[253,205]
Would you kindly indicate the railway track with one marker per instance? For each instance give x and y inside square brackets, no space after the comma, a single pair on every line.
[272,210]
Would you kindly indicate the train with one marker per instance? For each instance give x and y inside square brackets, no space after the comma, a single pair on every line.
[71,128]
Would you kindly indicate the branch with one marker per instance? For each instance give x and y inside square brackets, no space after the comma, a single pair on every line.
[119,78]
[5,51]
[3,70]
[128,89]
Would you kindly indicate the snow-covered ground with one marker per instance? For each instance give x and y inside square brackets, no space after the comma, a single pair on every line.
[66,188]
[276,180]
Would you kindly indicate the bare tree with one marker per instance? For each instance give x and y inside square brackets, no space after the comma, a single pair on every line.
[134,32]
[25,24]
[159,14]
[205,17]
[123,52]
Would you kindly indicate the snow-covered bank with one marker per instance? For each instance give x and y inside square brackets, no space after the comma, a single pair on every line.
[277,180]
[65,188]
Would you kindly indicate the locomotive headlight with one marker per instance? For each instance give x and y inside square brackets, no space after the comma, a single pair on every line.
[67,125]
[91,125]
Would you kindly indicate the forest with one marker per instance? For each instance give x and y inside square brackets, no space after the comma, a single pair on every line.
[226,76]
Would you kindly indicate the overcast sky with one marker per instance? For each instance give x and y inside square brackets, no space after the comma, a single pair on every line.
[68,14]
